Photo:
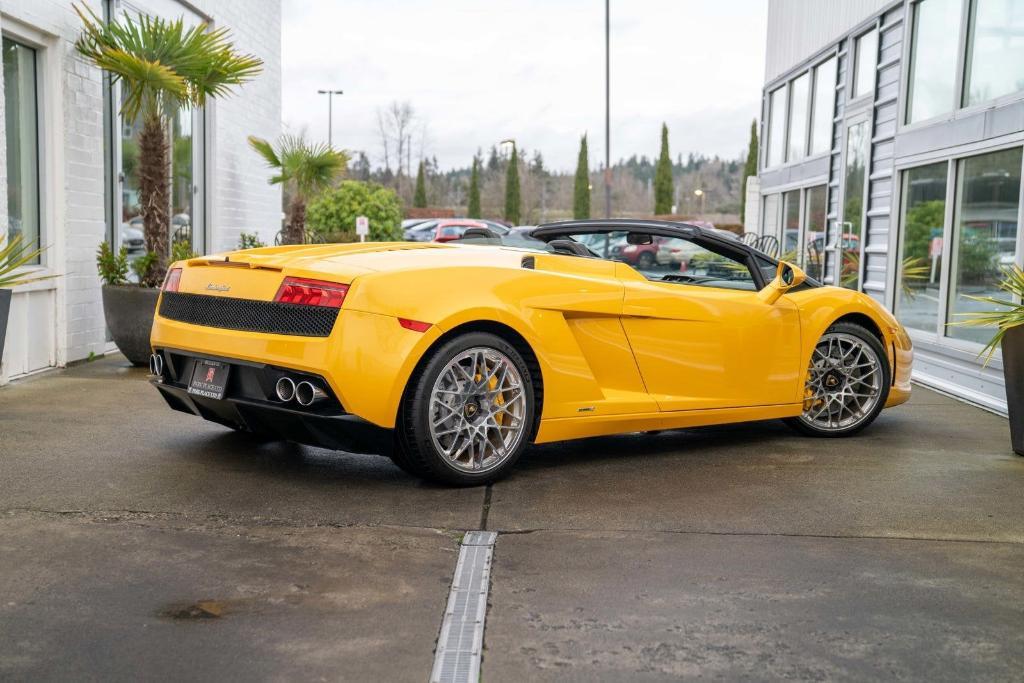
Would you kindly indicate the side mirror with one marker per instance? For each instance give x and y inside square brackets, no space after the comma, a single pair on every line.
[787,276]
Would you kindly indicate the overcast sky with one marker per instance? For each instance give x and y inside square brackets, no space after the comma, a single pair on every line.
[479,71]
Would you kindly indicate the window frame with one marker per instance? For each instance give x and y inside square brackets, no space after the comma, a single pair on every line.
[813,70]
[48,118]
[808,69]
[865,117]
[37,242]
[853,67]
[768,138]
[954,162]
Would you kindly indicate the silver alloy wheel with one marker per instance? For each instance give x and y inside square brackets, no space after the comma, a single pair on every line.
[477,410]
[844,383]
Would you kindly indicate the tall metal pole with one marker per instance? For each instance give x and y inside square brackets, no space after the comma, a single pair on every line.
[330,113]
[607,115]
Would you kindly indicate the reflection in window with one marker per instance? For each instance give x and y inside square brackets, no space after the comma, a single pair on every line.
[867,58]
[987,210]
[790,226]
[22,133]
[770,219]
[824,106]
[922,219]
[995,50]
[853,204]
[776,126]
[933,59]
[798,98]
[815,217]
[181,188]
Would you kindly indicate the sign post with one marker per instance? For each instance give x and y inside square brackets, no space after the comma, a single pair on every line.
[362,227]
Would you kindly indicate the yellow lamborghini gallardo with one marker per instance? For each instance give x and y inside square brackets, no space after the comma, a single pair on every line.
[452,358]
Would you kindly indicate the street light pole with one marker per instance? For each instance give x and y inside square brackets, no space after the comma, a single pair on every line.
[330,114]
[607,114]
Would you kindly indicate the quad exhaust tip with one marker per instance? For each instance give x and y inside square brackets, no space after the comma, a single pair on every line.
[156,365]
[285,389]
[307,393]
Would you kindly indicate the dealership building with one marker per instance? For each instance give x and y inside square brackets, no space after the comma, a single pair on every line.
[892,147]
[68,164]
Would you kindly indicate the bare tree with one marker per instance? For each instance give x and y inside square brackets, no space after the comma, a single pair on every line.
[394,123]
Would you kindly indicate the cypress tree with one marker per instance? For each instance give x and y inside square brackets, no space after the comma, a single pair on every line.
[419,200]
[474,191]
[663,178]
[749,169]
[581,193]
[512,188]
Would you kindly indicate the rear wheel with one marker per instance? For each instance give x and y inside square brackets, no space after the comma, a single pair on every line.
[467,414]
[847,383]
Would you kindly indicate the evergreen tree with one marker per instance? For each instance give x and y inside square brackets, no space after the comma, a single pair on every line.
[473,211]
[581,193]
[493,162]
[512,202]
[419,200]
[663,178]
[749,169]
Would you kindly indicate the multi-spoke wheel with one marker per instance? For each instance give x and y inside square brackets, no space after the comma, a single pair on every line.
[847,382]
[469,413]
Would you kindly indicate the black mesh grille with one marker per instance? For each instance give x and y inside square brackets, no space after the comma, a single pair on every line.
[248,315]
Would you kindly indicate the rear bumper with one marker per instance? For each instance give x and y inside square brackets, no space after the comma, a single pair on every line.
[250,405]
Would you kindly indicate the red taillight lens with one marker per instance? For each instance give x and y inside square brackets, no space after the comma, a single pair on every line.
[172,280]
[298,290]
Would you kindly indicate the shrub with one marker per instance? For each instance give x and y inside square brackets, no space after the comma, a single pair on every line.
[336,210]
[113,268]
[249,240]
[182,251]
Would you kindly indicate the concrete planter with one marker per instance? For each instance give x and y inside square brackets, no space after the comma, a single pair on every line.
[129,312]
[1013,372]
[5,309]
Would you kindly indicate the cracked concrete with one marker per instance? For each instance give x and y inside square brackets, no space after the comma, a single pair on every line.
[139,543]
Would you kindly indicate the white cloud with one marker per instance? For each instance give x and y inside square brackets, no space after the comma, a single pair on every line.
[480,71]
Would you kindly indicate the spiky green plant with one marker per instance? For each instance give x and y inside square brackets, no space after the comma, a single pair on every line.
[1009,314]
[162,66]
[305,170]
[13,256]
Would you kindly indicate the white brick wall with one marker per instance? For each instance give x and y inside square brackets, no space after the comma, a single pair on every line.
[237,194]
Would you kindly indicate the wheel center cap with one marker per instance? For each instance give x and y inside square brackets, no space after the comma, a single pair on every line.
[471,409]
[832,379]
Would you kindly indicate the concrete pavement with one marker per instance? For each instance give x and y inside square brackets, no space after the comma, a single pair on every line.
[136,542]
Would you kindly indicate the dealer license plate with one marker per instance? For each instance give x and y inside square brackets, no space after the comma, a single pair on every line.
[209,379]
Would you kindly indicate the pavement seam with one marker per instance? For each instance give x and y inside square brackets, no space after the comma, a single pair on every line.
[274,522]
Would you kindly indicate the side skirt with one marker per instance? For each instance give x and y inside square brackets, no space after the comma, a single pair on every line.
[562,429]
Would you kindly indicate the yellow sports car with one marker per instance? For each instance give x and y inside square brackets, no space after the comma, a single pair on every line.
[452,358]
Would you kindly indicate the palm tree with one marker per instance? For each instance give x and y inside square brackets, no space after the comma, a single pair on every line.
[305,170]
[162,67]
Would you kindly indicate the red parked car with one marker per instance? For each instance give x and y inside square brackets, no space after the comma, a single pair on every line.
[452,229]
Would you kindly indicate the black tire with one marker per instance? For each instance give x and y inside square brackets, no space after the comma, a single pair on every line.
[852,329]
[415,449]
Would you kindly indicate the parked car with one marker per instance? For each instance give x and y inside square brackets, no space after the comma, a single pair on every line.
[452,359]
[452,229]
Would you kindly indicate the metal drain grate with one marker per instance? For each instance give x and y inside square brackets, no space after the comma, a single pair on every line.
[457,659]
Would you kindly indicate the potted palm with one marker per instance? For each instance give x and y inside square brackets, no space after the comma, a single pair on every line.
[1008,319]
[13,257]
[305,170]
[162,66]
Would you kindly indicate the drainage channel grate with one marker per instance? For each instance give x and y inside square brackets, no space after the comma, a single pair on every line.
[457,659]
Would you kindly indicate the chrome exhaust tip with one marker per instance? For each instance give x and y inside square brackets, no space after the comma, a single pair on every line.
[285,389]
[307,393]
[156,365]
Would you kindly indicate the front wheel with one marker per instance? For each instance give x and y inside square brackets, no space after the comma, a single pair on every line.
[847,383]
[467,414]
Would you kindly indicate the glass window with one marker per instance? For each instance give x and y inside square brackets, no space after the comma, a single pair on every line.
[995,50]
[933,54]
[798,100]
[790,226]
[21,126]
[181,167]
[985,234]
[770,219]
[824,106]
[815,218]
[776,126]
[853,203]
[922,219]
[867,60]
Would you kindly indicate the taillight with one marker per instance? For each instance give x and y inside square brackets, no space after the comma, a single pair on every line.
[299,290]
[172,280]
